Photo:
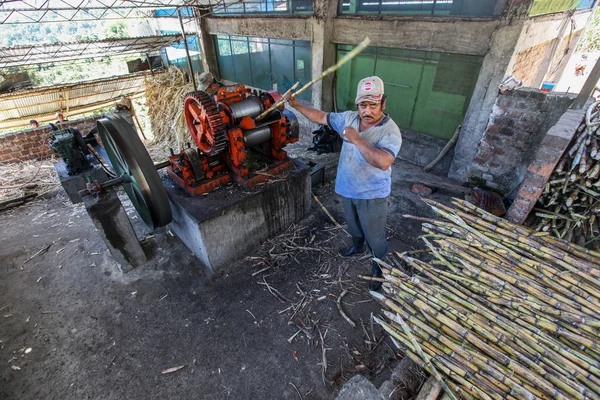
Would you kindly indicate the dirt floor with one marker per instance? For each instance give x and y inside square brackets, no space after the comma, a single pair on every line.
[267,327]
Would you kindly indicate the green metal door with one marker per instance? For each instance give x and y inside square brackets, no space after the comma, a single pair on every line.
[401,79]
[427,92]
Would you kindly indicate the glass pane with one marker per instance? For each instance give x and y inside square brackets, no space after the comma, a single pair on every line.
[265,7]
[282,66]
[419,7]
[303,68]
[261,66]
[225,59]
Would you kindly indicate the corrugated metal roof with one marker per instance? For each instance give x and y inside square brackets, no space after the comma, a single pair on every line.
[44,53]
[37,11]
[42,103]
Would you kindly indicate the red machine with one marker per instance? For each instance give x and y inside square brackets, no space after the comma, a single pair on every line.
[230,141]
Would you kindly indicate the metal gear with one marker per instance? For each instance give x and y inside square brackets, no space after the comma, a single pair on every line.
[205,122]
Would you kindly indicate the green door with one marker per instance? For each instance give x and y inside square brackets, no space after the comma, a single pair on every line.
[401,79]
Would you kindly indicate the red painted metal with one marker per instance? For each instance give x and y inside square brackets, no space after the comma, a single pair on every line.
[222,144]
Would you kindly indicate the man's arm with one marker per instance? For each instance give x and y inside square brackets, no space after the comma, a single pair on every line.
[376,157]
[316,116]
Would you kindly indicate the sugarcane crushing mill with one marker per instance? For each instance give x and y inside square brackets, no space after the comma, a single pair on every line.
[231,142]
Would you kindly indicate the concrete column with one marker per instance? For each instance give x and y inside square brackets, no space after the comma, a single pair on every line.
[323,52]
[207,43]
[493,71]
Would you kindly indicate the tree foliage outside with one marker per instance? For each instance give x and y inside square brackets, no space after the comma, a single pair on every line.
[65,32]
[590,41]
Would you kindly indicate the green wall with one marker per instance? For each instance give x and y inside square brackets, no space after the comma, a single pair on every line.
[549,6]
[427,92]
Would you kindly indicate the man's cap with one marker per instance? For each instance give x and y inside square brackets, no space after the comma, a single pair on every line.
[369,89]
[59,113]
[206,79]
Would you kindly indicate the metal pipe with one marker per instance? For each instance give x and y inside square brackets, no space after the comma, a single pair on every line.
[162,164]
[187,50]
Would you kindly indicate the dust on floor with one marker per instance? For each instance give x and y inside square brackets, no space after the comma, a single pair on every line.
[267,327]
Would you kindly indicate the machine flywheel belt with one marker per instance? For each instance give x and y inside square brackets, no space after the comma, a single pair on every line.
[205,123]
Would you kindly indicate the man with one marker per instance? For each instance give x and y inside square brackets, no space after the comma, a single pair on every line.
[371,142]
[60,117]
[34,124]
[208,83]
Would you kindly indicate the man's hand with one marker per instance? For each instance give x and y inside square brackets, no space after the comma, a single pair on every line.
[374,156]
[316,116]
[350,135]
[290,98]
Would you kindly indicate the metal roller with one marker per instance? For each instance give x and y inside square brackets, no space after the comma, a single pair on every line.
[251,107]
[252,137]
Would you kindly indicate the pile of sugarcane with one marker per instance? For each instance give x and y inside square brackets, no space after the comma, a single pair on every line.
[570,203]
[496,310]
[164,98]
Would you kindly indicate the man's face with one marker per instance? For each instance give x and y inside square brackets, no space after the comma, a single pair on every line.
[370,112]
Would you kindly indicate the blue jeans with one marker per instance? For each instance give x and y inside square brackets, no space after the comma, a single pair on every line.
[366,220]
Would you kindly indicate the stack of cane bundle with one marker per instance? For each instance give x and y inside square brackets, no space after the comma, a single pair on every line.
[164,97]
[497,310]
[570,203]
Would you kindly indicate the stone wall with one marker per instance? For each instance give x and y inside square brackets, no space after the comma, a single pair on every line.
[518,123]
[32,144]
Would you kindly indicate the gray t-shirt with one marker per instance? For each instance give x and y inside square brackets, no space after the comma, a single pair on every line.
[356,178]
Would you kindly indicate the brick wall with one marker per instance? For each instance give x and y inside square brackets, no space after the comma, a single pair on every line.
[529,61]
[518,123]
[32,144]
[546,157]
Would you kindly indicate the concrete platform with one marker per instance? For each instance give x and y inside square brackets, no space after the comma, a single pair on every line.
[74,183]
[228,223]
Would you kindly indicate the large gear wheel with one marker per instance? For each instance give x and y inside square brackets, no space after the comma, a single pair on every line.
[204,122]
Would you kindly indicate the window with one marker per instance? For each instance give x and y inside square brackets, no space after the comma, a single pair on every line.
[264,7]
[186,12]
[551,6]
[176,52]
[427,92]
[420,7]
[268,64]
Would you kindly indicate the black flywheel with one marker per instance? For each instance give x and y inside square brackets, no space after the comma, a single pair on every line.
[130,160]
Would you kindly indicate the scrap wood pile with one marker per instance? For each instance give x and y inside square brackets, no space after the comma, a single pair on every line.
[496,310]
[569,206]
[164,98]
[25,180]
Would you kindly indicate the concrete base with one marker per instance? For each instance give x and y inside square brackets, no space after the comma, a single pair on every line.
[74,183]
[114,226]
[229,222]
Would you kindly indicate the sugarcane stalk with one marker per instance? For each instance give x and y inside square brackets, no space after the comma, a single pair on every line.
[351,54]
[341,310]
[426,359]
[277,104]
[500,301]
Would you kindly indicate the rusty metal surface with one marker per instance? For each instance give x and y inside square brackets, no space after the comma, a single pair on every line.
[17,108]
